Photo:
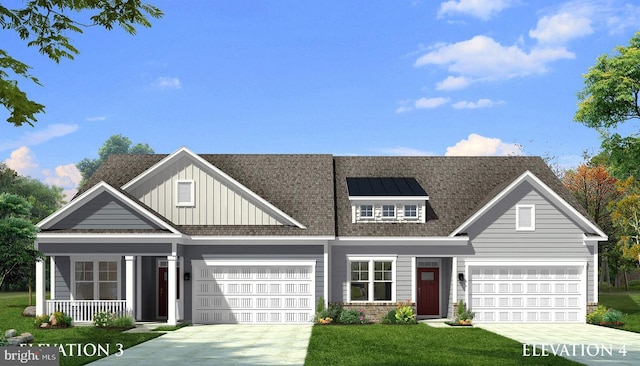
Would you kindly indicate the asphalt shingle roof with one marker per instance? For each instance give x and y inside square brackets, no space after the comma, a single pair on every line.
[302,186]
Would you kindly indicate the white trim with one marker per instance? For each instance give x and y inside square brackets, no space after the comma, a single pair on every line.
[129,283]
[172,289]
[52,277]
[40,287]
[138,287]
[414,281]
[325,277]
[395,213]
[362,217]
[595,274]
[440,284]
[410,218]
[192,193]
[96,273]
[546,191]
[388,198]
[251,240]
[454,281]
[448,239]
[225,178]
[372,258]
[68,238]
[532,226]
[256,262]
[91,194]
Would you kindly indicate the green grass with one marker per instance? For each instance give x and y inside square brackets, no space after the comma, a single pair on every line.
[12,305]
[382,344]
[628,303]
[170,328]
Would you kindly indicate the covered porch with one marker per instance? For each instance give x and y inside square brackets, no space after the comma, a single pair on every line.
[147,285]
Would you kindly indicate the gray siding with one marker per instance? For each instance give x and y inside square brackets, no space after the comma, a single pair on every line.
[340,271]
[63,278]
[556,236]
[104,212]
[107,248]
[253,252]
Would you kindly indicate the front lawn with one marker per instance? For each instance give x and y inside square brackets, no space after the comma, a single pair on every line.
[382,344]
[628,303]
[12,305]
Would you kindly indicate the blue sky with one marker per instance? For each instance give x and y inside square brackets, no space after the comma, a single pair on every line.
[458,77]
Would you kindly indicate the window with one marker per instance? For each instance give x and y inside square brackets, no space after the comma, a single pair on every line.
[388,211]
[366,211]
[96,280]
[372,279]
[411,211]
[185,193]
[525,217]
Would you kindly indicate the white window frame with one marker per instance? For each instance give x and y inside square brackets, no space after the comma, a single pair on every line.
[373,209]
[96,275]
[192,201]
[532,226]
[395,208]
[411,217]
[371,281]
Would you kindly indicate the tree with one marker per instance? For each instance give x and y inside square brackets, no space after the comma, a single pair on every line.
[625,214]
[45,25]
[595,189]
[17,235]
[116,144]
[44,199]
[609,98]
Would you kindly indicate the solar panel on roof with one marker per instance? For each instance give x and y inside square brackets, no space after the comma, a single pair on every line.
[385,186]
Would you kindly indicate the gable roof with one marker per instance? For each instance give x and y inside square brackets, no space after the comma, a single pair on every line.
[299,186]
[458,187]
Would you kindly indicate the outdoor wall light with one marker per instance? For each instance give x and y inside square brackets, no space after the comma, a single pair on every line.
[460,276]
[187,276]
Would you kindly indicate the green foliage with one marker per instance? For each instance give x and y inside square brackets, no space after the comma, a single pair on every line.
[40,319]
[404,313]
[116,144]
[102,319]
[3,341]
[44,24]
[17,235]
[390,318]
[463,316]
[122,322]
[57,318]
[625,215]
[352,317]
[44,199]
[320,305]
[605,316]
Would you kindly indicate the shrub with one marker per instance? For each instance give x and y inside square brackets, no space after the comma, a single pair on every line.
[102,319]
[352,317]
[320,305]
[404,313]
[3,341]
[604,316]
[41,319]
[464,316]
[597,315]
[613,316]
[390,318]
[334,311]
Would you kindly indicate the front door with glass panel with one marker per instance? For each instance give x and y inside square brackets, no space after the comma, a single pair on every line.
[428,291]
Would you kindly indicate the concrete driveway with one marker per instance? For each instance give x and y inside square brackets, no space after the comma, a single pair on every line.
[224,344]
[585,343]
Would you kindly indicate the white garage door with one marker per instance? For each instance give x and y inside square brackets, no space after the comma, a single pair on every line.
[528,294]
[253,294]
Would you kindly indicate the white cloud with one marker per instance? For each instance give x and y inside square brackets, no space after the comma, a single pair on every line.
[405,106]
[405,151]
[166,82]
[481,103]
[560,28]
[428,103]
[23,161]
[483,57]
[38,137]
[65,176]
[483,9]
[627,17]
[454,83]
[96,119]
[476,145]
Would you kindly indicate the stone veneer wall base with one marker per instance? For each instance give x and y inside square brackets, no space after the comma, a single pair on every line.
[373,312]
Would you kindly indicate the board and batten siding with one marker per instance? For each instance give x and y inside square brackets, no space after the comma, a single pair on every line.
[215,202]
[556,236]
[104,212]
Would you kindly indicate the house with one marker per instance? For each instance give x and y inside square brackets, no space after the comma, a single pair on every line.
[262,238]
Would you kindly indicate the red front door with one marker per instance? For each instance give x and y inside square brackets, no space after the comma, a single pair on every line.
[428,291]
[163,297]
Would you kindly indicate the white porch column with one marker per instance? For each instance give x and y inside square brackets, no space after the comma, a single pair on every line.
[138,288]
[172,289]
[52,278]
[129,284]
[40,287]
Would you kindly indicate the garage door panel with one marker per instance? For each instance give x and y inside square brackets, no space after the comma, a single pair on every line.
[534,294]
[253,294]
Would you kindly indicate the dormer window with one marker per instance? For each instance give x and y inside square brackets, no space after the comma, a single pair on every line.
[388,211]
[387,199]
[411,211]
[366,211]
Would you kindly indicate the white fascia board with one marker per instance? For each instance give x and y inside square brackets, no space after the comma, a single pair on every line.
[94,192]
[259,240]
[389,198]
[547,192]
[259,262]
[540,262]
[225,177]
[387,240]
[65,238]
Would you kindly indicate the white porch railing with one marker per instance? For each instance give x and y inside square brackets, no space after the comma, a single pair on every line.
[81,311]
